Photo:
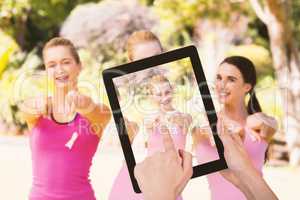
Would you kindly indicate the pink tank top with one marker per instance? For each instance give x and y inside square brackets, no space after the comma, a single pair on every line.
[60,171]
[220,188]
[155,140]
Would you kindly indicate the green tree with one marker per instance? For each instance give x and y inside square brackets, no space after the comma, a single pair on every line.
[32,22]
[181,16]
[25,25]
[277,16]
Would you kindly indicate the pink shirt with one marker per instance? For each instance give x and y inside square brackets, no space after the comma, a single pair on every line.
[220,188]
[155,140]
[61,172]
[122,187]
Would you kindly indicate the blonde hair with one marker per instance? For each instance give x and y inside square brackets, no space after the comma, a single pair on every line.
[60,41]
[139,37]
[157,79]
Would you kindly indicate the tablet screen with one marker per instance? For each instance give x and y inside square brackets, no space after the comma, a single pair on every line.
[165,97]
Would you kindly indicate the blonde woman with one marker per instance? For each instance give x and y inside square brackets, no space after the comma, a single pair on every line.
[65,129]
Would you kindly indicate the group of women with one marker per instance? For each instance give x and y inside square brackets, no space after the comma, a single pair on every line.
[65,129]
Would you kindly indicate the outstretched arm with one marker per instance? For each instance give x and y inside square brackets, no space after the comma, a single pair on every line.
[98,115]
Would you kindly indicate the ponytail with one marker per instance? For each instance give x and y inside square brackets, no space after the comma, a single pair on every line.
[253,104]
[254,107]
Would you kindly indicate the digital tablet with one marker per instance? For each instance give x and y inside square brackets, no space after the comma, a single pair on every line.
[170,91]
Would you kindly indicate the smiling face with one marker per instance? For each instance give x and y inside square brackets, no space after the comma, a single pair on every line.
[61,66]
[230,86]
[162,93]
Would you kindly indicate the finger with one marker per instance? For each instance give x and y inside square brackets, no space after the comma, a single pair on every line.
[187,168]
[220,123]
[138,172]
[255,136]
[272,122]
[226,139]
[269,122]
[203,132]
[70,96]
[264,133]
[255,120]
[237,138]
[238,130]
[76,100]
[254,124]
[186,161]
[227,125]
[223,129]
[167,140]
[80,100]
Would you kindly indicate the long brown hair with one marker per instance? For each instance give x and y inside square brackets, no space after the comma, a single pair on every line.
[247,69]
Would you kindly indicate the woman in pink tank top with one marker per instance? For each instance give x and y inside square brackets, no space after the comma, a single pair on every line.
[177,123]
[65,129]
[140,45]
[236,78]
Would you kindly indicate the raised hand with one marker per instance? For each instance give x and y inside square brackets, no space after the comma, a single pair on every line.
[241,172]
[263,126]
[32,109]
[81,103]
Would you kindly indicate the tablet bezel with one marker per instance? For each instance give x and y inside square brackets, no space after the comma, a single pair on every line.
[135,66]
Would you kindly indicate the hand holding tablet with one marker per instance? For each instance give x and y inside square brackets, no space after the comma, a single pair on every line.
[240,172]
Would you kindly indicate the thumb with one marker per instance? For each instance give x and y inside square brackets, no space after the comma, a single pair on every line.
[263,132]
[70,96]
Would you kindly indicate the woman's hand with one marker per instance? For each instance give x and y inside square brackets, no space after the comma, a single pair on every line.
[132,129]
[151,122]
[226,124]
[35,106]
[237,158]
[182,120]
[263,126]
[241,172]
[202,134]
[32,109]
[164,175]
[98,115]
[82,103]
